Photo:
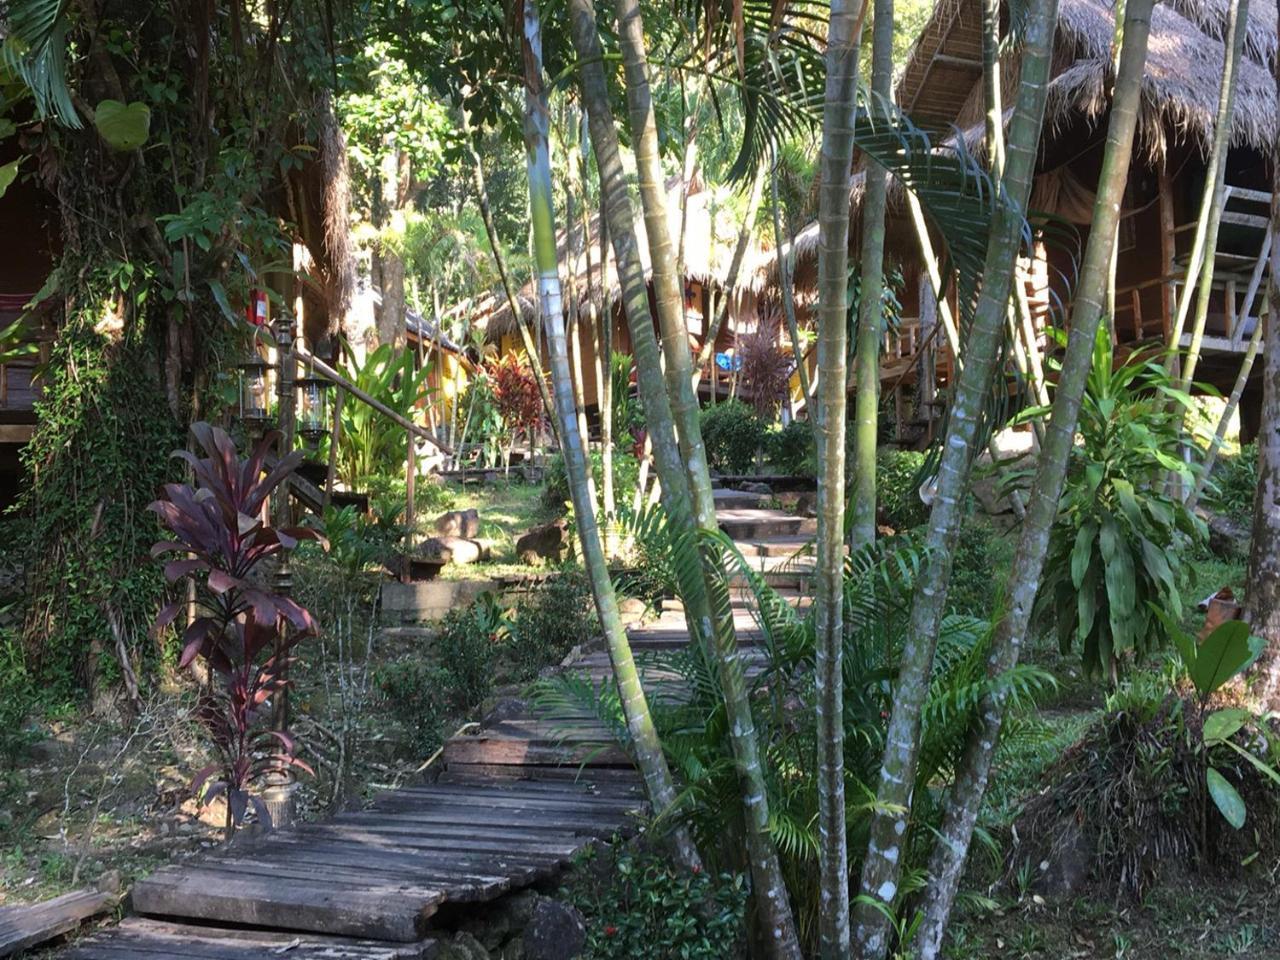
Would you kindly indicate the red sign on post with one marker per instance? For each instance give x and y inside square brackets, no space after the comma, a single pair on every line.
[256,311]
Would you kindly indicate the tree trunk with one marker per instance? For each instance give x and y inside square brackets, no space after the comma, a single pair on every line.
[644,737]
[949,853]
[1262,584]
[784,281]
[500,261]
[867,355]
[844,37]
[1200,262]
[1215,188]
[719,316]
[682,467]
[1233,402]
[882,865]
[394,170]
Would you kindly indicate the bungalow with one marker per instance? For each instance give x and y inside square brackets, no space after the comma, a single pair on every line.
[941,89]
[704,227]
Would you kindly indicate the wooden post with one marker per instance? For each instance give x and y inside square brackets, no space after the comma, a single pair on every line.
[1168,251]
[335,438]
[410,482]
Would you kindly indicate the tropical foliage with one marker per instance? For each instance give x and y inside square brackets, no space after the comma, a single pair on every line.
[1109,561]
[243,632]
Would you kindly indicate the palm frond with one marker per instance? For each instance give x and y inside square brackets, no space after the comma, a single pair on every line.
[36,50]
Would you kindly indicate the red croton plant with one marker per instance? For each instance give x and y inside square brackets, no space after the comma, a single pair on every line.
[242,630]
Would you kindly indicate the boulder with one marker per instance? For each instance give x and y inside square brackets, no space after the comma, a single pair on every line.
[1069,865]
[751,486]
[1228,538]
[556,931]
[455,550]
[631,610]
[459,523]
[463,946]
[507,708]
[545,542]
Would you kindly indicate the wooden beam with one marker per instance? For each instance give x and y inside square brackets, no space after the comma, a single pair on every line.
[946,60]
[16,432]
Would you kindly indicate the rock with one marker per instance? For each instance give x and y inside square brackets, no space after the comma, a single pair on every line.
[752,486]
[631,610]
[1219,608]
[457,550]
[459,523]
[463,946]
[545,542]
[1227,538]
[1069,864]
[110,882]
[508,708]
[556,931]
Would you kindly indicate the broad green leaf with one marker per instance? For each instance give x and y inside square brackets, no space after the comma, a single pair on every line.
[1082,552]
[1226,798]
[8,174]
[1117,569]
[220,298]
[1224,653]
[1223,724]
[1262,767]
[1087,603]
[1185,643]
[123,126]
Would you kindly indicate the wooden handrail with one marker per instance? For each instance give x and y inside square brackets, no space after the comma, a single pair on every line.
[331,374]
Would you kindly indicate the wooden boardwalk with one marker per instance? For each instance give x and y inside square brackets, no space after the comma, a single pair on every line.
[516,802]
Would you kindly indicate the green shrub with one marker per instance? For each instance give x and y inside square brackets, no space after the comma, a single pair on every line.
[626,474]
[732,434]
[413,694]
[1234,481]
[1118,548]
[549,622]
[792,450]
[17,700]
[980,560]
[898,488]
[656,910]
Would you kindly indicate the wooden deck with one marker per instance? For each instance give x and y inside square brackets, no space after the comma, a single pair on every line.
[516,802]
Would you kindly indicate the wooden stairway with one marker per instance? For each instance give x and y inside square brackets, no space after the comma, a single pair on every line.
[514,805]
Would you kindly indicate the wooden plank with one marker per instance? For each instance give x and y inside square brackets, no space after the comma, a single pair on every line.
[357,866]
[471,749]
[156,939]
[458,850]
[515,796]
[27,925]
[380,913]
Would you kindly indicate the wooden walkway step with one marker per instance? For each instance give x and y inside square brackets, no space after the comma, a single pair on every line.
[23,926]
[145,939]
[381,873]
[753,524]
[514,804]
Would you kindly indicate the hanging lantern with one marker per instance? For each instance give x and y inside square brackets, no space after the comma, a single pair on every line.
[255,391]
[313,408]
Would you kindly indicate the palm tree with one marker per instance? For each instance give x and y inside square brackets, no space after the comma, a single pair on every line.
[844,37]
[1262,596]
[682,470]
[871,277]
[949,853]
[644,738]
[882,865]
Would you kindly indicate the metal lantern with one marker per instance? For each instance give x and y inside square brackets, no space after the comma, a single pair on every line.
[255,391]
[313,408]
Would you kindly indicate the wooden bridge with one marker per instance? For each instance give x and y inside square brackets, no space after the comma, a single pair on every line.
[516,802]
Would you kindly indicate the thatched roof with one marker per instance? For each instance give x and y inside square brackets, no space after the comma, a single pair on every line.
[710,235]
[941,88]
[941,83]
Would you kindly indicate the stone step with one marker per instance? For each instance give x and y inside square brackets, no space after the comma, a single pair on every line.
[740,499]
[756,524]
[800,544]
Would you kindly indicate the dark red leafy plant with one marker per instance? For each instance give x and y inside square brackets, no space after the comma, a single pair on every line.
[515,391]
[244,631]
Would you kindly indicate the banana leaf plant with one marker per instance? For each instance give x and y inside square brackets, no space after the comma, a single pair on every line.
[242,630]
